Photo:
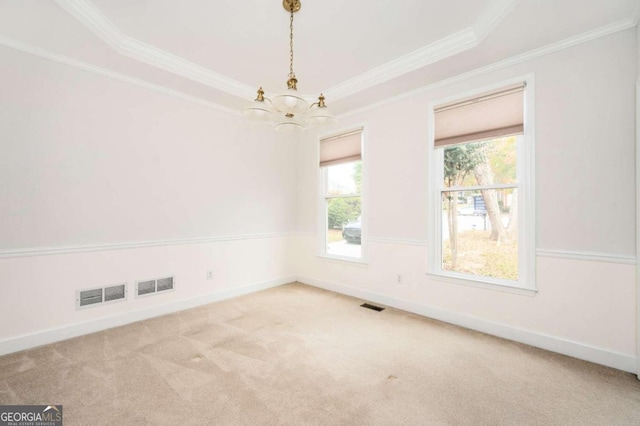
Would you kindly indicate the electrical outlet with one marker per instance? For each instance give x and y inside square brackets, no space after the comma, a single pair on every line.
[399,279]
[209,275]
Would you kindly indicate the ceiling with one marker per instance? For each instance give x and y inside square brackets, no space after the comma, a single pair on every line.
[356,52]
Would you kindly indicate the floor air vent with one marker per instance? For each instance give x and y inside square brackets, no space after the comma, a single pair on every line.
[372,307]
[100,296]
[149,287]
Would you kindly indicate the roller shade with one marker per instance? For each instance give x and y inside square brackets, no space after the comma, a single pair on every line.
[489,116]
[341,148]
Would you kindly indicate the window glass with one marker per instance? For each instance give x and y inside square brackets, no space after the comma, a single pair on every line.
[480,163]
[344,178]
[480,233]
[482,208]
[479,225]
[343,209]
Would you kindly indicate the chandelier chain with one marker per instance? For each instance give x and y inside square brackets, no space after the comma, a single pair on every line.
[290,111]
[291,74]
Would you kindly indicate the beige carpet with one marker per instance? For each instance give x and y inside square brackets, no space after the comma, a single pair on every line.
[297,355]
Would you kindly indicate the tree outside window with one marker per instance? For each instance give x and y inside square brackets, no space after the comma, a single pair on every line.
[481,194]
[479,202]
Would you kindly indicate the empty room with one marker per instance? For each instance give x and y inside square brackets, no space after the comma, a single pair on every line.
[289,212]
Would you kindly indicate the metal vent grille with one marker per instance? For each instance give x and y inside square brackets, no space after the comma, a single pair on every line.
[99,296]
[372,307]
[90,297]
[165,284]
[114,293]
[146,287]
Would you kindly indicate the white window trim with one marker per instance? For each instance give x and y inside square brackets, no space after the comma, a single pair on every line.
[526,197]
[322,217]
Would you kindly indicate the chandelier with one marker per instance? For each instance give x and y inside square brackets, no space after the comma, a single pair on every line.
[289,111]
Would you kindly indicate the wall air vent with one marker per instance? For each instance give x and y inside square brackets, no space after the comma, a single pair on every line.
[145,287]
[149,287]
[115,292]
[165,284]
[100,296]
[90,297]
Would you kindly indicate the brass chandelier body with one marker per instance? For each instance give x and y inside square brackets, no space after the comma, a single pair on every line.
[289,111]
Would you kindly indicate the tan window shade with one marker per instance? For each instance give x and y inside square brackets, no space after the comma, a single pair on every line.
[341,149]
[484,117]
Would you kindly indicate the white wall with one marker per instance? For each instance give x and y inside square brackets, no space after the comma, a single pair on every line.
[103,182]
[38,292]
[90,162]
[585,209]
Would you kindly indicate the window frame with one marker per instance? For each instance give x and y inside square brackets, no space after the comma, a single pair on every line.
[525,185]
[322,197]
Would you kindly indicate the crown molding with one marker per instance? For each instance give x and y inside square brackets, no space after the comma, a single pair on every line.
[89,16]
[497,10]
[491,17]
[45,54]
[588,36]
[455,43]
[437,51]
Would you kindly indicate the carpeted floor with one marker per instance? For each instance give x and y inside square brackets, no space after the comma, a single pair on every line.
[295,355]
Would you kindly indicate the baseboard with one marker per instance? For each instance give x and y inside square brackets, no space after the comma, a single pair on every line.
[544,341]
[552,343]
[28,341]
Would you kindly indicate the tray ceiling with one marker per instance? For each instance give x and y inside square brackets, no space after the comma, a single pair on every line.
[220,52]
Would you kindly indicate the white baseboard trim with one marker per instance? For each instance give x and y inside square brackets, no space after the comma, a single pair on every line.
[28,341]
[544,341]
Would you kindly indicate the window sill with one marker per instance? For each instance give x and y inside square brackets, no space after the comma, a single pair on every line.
[343,259]
[504,288]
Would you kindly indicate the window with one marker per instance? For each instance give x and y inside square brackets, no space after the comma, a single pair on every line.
[341,204]
[481,188]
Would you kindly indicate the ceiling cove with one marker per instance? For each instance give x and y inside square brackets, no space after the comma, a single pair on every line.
[94,20]
[484,25]
[89,15]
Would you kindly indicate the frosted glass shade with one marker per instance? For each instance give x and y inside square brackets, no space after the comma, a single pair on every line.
[320,116]
[290,102]
[289,125]
[258,111]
